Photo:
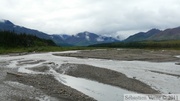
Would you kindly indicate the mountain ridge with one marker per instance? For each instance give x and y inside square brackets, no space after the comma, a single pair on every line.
[9,26]
[66,40]
[142,36]
[86,38]
[155,35]
[168,34]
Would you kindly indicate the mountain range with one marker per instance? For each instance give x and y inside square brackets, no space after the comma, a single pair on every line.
[87,38]
[84,39]
[155,35]
[80,39]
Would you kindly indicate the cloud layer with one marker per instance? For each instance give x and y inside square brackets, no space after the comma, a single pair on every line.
[109,17]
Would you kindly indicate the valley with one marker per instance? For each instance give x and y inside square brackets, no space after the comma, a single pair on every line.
[89,50]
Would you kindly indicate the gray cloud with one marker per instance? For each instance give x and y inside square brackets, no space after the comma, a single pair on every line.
[109,17]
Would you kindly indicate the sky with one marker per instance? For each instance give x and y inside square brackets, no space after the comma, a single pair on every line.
[105,17]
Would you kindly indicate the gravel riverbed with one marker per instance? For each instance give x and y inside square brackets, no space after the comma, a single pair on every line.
[35,79]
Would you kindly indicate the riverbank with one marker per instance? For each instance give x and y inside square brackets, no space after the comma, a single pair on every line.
[128,54]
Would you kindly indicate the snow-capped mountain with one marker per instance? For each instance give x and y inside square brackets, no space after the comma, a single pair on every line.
[88,38]
[81,39]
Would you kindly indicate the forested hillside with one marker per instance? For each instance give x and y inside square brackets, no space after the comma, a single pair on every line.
[11,39]
[175,44]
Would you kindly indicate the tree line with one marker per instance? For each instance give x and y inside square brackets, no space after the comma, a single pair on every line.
[142,44]
[11,39]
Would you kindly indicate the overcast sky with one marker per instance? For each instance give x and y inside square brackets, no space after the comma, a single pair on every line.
[108,17]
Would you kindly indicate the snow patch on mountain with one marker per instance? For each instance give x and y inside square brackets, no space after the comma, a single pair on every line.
[77,36]
[100,39]
[87,33]
[87,37]
[64,36]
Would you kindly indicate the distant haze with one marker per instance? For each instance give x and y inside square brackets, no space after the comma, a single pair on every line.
[105,17]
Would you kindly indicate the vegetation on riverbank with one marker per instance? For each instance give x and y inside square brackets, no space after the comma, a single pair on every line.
[10,42]
[170,44]
[41,49]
